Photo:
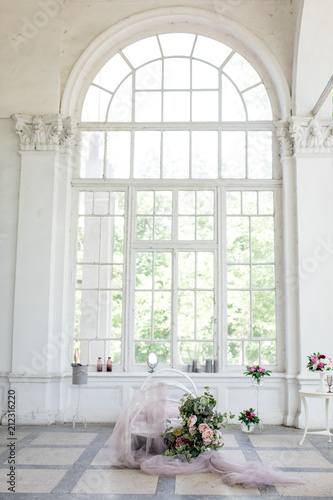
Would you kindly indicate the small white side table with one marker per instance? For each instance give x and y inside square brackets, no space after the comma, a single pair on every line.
[319,395]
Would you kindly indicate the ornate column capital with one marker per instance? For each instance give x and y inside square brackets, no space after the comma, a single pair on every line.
[311,136]
[285,139]
[45,133]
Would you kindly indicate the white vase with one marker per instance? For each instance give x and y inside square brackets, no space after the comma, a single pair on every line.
[321,386]
[246,428]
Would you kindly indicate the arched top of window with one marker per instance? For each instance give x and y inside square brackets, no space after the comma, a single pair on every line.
[177,77]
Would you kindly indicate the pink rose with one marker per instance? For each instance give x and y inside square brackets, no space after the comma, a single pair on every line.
[202,427]
[207,435]
[261,370]
[321,365]
[314,359]
[252,369]
[192,421]
[322,356]
[192,429]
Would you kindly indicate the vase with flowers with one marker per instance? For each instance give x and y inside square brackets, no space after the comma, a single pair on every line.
[248,419]
[257,373]
[318,362]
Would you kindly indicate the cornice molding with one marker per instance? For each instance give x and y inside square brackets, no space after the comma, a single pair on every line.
[305,136]
[45,133]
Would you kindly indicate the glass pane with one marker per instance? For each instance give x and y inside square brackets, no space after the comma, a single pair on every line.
[204,155]
[264,314]
[95,105]
[89,239]
[238,276]
[163,228]
[266,202]
[233,202]
[260,155]
[142,51]
[89,308]
[263,276]
[84,352]
[87,276]
[162,315]
[117,203]
[205,202]
[186,228]
[144,270]
[205,315]
[257,104]
[187,351]
[104,314]
[268,352]
[233,155]
[176,107]
[250,203]
[112,239]
[143,306]
[149,77]
[112,73]
[118,155]
[163,270]
[92,154]
[86,203]
[111,276]
[177,44]
[113,349]
[232,104]
[235,353]
[176,151]
[241,72]
[262,238]
[205,270]
[161,349]
[148,106]
[101,203]
[211,51]
[163,202]
[251,353]
[204,106]
[121,104]
[147,154]
[96,349]
[204,76]
[186,272]
[239,314]
[177,73]
[205,228]
[238,239]
[145,202]
[144,228]
[186,202]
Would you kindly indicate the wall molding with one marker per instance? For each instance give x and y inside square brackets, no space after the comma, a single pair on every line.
[305,136]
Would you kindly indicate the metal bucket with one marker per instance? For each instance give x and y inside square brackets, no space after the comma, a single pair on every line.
[80,374]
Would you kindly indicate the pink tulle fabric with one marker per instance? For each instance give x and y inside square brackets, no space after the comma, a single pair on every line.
[136,443]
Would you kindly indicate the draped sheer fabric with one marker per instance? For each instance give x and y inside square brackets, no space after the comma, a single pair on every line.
[136,443]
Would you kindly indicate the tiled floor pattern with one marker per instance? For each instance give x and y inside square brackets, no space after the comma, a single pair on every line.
[57,462]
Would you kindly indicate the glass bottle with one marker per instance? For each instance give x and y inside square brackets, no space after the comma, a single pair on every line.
[109,364]
[99,365]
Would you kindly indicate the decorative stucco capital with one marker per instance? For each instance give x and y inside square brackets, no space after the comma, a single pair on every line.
[311,136]
[285,139]
[45,133]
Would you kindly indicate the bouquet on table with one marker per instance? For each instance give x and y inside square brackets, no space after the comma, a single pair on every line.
[201,427]
[257,372]
[319,363]
[248,417]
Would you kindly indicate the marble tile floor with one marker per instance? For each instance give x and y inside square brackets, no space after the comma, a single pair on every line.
[57,462]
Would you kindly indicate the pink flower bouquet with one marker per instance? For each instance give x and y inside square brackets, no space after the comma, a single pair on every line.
[319,363]
[248,417]
[256,371]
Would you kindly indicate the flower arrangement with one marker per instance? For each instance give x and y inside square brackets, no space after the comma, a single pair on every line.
[256,371]
[248,417]
[201,427]
[319,363]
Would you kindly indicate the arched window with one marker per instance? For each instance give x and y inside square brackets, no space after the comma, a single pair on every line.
[178,195]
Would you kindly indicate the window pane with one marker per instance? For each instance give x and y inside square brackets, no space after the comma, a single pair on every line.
[88,241]
[144,228]
[204,76]
[241,72]
[251,353]
[117,314]
[234,353]
[118,155]
[238,239]
[238,276]
[205,106]
[163,270]
[101,203]
[149,77]
[239,314]
[147,154]
[205,315]
[205,270]
[121,103]
[113,349]
[144,270]
[163,202]
[143,310]
[188,351]
[233,155]
[186,272]
[145,202]
[177,44]
[186,228]
[204,155]
[205,228]
[176,150]
[86,203]
[210,50]
[262,237]
[92,154]
[162,315]
[263,276]
[112,73]
[163,228]
[232,104]
[148,106]
[112,239]
[260,155]
[176,106]
[117,203]
[268,352]
[161,349]
[177,73]
[264,314]
[95,105]
[258,104]
[111,276]
[142,51]
[87,276]
[205,202]
[186,202]
[87,329]
[233,202]
[266,202]
[250,203]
